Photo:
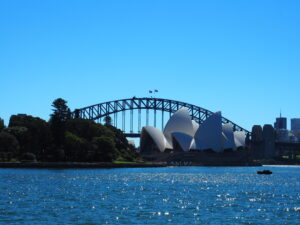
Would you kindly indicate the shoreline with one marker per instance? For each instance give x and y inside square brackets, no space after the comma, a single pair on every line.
[102,165]
[109,165]
[77,165]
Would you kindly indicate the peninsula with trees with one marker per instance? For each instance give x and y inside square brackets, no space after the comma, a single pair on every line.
[63,139]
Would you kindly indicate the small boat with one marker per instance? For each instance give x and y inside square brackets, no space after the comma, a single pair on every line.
[264,172]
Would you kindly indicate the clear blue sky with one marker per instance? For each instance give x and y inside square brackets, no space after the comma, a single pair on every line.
[240,57]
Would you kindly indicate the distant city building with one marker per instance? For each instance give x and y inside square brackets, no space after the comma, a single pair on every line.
[257,142]
[295,124]
[269,141]
[296,135]
[280,123]
[294,139]
[282,135]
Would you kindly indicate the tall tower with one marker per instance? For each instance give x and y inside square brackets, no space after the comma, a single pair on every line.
[280,122]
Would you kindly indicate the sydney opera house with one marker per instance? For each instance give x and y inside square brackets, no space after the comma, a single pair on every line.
[182,134]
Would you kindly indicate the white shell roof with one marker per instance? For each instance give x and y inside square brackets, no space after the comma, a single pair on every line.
[227,130]
[210,133]
[179,122]
[195,126]
[156,135]
[239,138]
[183,140]
[197,145]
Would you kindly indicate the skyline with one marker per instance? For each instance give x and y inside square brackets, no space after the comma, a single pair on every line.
[241,58]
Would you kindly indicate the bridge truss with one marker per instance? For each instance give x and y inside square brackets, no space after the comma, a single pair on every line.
[98,111]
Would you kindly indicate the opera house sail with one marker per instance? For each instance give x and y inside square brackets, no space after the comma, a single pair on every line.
[152,140]
[182,134]
[180,123]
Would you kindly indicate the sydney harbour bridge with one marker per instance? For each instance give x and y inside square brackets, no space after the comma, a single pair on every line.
[131,114]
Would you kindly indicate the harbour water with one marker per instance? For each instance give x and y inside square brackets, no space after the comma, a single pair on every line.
[170,195]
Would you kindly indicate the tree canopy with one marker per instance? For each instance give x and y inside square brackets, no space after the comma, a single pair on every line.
[61,111]
[2,126]
[62,138]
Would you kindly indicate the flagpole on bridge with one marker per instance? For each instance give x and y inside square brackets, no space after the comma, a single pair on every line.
[153,92]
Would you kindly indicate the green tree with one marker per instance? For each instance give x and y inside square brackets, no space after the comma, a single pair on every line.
[28,157]
[22,136]
[105,150]
[87,129]
[2,126]
[61,113]
[76,148]
[60,109]
[8,143]
[120,139]
[107,120]
[33,133]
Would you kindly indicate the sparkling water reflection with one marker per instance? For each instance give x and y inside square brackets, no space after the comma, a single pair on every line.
[178,195]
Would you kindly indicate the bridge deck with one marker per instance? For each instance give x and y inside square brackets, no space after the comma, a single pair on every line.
[132,135]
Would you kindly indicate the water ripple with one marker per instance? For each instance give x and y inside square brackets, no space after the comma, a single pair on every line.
[177,195]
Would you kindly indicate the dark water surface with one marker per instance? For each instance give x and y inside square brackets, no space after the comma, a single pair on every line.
[178,195]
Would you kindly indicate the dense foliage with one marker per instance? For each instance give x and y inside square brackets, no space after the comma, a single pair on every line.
[62,138]
[1,124]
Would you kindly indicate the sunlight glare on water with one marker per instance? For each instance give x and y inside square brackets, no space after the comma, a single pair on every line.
[172,195]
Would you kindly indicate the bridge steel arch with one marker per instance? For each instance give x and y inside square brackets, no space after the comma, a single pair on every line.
[101,110]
